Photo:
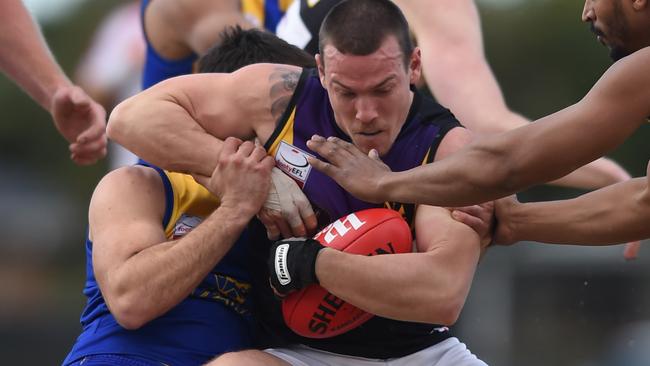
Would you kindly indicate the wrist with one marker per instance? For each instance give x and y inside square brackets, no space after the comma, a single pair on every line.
[516,215]
[292,264]
[51,89]
[237,211]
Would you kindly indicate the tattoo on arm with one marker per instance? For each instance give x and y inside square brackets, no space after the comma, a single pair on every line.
[283,83]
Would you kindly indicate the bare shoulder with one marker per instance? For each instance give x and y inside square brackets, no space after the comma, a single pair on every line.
[453,141]
[128,188]
[631,69]
[624,89]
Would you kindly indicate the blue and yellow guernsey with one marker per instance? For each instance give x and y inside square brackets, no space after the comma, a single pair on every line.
[214,319]
[261,13]
[265,13]
[157,68]
[310,113]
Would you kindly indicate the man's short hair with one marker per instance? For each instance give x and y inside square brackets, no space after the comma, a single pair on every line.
[358,27]
[238,48]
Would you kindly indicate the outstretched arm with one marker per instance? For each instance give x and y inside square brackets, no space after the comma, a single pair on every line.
[610,215]
[79,119]
[498,165]
[438,276]
[458,74]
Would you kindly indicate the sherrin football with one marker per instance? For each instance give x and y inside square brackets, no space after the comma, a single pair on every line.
[313,312]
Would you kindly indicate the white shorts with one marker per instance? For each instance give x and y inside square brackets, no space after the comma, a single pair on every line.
[450,352]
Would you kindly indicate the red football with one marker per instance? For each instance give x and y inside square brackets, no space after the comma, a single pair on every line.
[314,312]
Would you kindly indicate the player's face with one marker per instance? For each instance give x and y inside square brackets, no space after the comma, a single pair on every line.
[370,95]
[616,24]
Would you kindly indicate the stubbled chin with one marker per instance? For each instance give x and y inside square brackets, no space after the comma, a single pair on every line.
[365,144]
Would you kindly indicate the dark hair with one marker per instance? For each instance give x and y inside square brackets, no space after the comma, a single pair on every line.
[238,48]
[358,27]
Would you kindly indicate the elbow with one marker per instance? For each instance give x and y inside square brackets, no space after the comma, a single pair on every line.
[117,128]
[510,178]
[127,313]
[129,323]
[450,313]
[449,304]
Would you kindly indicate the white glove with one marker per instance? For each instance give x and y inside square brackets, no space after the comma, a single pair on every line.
[286,211]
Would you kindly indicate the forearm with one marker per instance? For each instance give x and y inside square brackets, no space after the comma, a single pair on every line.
[478,173]
[26,58]
[498,165]
[407,287]
[597,174]
[153,128]
[611,215]
[167,273]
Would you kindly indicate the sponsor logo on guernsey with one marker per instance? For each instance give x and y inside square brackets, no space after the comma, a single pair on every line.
[185,224]
[281,264]
[293,161]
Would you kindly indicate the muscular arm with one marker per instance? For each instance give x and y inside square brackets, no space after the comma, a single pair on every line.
[611,215]
[178,124]
[457,73]
[140,273]
[495,166]
[429,286]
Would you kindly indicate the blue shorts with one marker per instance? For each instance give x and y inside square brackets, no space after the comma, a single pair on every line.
[112,359]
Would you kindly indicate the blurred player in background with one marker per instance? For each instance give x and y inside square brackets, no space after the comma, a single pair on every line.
[110,70]
[178,32]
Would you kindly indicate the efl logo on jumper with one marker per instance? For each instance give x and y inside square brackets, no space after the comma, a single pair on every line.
[185,224]
[293,161]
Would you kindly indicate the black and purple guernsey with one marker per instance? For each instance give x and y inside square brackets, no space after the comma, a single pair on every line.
[309,113]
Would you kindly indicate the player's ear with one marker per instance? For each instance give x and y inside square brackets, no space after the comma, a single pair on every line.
[321,69]
[415,66]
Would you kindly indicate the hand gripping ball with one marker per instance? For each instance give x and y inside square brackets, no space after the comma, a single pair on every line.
[313,312]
